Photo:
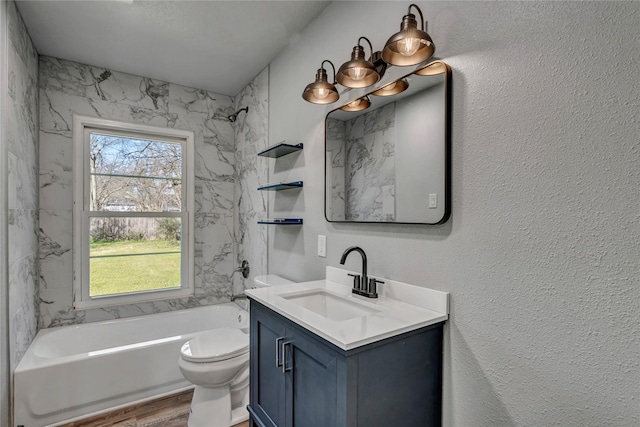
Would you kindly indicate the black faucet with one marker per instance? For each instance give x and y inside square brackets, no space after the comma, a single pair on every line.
[361,284]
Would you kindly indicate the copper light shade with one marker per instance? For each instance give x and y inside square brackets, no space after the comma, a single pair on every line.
[357,104]
[321,91]
[432,69]
[410,45]
[392,88]
[358,72]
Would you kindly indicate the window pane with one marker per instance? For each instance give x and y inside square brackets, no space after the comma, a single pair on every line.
[127,194]
[133,254]
[134,175]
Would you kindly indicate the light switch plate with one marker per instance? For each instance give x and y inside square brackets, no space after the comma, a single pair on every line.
[322,245]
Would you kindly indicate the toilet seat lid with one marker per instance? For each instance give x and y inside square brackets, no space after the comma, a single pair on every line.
[216,345]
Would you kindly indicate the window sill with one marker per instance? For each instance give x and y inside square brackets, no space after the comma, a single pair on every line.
[132,298]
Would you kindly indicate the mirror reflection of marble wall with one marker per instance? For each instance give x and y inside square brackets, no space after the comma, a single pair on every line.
[383,164]
[335,171]
[363,166]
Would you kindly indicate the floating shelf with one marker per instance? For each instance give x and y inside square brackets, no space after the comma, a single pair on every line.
[280,150]
[281,186]
[282,221]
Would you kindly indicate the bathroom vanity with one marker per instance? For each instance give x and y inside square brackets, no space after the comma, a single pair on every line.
[321,356]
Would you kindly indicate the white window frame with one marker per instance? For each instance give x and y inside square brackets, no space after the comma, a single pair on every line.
[82,213]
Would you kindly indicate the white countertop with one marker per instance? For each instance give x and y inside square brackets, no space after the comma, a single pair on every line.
[399,308]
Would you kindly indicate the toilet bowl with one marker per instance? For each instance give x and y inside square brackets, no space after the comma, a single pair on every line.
[217,363]
[240,394]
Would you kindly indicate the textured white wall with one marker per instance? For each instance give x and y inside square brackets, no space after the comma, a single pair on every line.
[542,253]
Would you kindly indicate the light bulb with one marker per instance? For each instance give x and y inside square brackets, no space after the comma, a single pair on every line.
[357,73]
[320,93]
[355,102]
[408,46]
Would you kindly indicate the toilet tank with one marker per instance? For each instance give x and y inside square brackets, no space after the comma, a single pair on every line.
[270,280]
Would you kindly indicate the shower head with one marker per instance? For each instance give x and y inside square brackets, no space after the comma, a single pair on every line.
[233,117]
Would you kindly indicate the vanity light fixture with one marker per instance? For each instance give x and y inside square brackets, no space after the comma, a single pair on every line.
[432,69]
[357,104]
[410,45]
[358,72]
[392,88]
[321,91]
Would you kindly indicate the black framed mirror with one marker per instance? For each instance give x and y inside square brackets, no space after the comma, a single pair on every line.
[390,163]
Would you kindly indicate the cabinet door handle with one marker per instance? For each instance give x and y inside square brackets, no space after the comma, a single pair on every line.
[278,360]
[284,357]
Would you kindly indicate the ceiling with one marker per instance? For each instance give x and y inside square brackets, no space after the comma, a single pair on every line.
[216,45]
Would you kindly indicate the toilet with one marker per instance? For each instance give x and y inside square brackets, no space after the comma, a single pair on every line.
[216,362]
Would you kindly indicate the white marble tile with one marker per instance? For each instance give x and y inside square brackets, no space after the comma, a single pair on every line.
[335,130]
[252,242]
[214,197]
[23,233]
[22,183]
[370,166]
[56,245]
[338,194]
[222,138]
[56,307]
[21,146]
[189,101]
[215,232]
[64,76]
[56,112]
[22,110]
[251,136]
[56,272]
[23,294]
[355,128]
[57,109]
[20,41]
[56,172]
[380,119]
[127,89]
[109,313]
[213,164]
[336,149]
[13,181]
[15,130]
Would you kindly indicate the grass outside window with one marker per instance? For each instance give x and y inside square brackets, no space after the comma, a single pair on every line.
[118,267]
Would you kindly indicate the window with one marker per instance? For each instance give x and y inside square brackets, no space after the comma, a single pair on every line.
[133,213]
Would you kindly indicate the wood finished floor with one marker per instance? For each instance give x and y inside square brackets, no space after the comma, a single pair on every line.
[170,411]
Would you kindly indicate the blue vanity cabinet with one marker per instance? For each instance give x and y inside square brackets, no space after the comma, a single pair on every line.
[267,393]
[293,376]
[298,379]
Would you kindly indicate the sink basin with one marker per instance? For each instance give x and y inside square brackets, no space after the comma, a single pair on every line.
[329,305]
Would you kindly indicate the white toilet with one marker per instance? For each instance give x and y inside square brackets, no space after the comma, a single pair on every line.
[217,363]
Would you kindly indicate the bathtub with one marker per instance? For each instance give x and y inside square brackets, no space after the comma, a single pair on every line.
[72,372]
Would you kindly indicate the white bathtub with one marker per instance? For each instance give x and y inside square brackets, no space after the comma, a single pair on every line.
[76,371]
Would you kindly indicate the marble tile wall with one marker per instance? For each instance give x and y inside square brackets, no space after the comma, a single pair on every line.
[5,374]
[68,87]
[251,136]
[21,137]
[336,149]
[370,166]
